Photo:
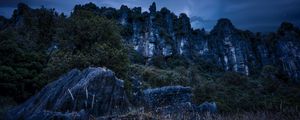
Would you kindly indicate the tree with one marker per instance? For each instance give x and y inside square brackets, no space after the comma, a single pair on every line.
[19,70]
[97,42]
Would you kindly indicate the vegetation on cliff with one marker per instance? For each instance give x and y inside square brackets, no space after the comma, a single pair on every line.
[38,45]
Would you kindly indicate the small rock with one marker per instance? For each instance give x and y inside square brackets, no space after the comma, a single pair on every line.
[208,107]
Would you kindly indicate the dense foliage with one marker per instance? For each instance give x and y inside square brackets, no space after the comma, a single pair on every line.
[232,91]
[40,45]
[43,45]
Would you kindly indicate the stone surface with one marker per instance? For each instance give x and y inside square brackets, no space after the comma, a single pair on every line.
[174,99]
[96,93]
[77,94]
[287,50]
[165,96]
[161,33]
[207,107]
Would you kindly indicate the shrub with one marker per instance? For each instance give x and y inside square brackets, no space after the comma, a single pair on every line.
[233,78]
[155,77]
[234,92]
[84,40]
[269,72]
[97,42]
[175,61]
[159,61]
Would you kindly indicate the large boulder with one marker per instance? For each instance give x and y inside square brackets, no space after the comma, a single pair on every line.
[92,92]
[96,93]
[168,95]
[207,107]
[175,102]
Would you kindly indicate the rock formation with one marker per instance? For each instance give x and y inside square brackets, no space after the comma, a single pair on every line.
[161,33]
[97,93]
[168,95]
[77,94]
[174,99]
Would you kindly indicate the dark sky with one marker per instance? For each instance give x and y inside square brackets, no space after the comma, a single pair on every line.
[255,15]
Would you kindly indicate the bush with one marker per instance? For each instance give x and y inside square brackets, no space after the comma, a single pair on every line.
[175,61]
[234,92]
[269,72]
[155,77]
[135,57]
[159,61]
[97,42]
[19,69]
[81,40]
[206,66]
[233,78]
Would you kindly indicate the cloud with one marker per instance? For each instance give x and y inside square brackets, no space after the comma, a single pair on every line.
[256,15]
[261,15]
[186,10]
[198,22]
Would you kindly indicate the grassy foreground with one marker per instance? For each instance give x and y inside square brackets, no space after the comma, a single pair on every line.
[289,114]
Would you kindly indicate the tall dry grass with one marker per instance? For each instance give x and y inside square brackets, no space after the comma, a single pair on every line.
[288,114]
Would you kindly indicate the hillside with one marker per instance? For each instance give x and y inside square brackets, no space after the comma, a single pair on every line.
[239,71]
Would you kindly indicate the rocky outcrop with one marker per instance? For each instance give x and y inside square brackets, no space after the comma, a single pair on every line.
[287,50]
[174,99]
[78,94]
[165,34]
[168,95]
[97,93]
[208,107]
[230,48]
[162,34]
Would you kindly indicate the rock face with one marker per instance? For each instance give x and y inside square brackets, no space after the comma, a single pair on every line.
[76,95]
[97,93]
[287,50]
[174,99]
[163,34]
[229,48]
[168,95]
